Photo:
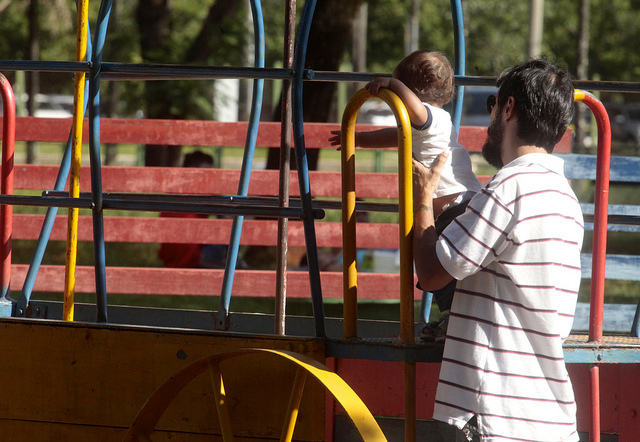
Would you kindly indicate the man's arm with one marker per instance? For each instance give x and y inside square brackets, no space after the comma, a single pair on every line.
[431,274]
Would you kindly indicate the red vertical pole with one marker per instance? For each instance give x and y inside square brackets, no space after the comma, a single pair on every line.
[599,253]
[600,215]
[594,425]
[6,211]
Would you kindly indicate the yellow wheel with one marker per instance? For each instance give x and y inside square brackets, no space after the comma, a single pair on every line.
[152,411]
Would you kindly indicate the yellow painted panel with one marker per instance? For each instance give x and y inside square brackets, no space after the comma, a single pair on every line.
[86,374]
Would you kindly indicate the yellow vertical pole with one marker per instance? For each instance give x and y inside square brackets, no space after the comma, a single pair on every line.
[348,157]
[76,149]
[405,193]
[405,228]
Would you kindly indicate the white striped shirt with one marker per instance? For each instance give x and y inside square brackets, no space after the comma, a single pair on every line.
[516,254]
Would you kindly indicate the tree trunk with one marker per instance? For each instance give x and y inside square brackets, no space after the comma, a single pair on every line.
[113,94]
[33,78]
[583,66]
[328,41]
[154,22]
[329,38]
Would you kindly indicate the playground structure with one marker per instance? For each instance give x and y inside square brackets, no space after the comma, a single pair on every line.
[142,358]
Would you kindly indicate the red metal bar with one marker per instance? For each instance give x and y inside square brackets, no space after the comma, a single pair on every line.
[601,213]
[6,211]
[599,247]
[594,425]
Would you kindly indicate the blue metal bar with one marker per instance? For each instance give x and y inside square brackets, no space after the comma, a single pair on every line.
[222,322]
[240,208]
[303,168]
[425,307]
[44,66]
[51,202]
[458,38]
[124,72]
[456,115]
[635,326]
[95,162]
[49,219]
[228,210]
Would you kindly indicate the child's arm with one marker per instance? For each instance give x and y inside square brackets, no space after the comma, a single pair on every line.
[418,114]
[387,137]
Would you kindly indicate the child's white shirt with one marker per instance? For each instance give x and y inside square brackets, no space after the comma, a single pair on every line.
[457,175]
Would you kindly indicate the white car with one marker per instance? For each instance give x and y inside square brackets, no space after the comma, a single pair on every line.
[54,106]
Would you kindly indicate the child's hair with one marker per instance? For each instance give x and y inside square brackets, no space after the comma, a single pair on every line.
[197,159]
[428,74]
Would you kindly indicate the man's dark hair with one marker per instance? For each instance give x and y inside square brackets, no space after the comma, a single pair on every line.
[429,75]
[543,93]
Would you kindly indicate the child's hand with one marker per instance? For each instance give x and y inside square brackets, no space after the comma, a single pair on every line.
[336,139]
[376,84]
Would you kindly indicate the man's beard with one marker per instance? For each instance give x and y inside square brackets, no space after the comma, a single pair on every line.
[491,149]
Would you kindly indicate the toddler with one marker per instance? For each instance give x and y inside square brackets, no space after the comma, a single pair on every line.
[424,82]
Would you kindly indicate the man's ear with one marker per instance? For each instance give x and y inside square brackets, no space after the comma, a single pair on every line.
[509,108]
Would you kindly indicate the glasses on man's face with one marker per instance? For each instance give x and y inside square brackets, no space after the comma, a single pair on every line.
[491,102]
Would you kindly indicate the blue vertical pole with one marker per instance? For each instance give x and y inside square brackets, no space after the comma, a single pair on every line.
[458,38]
[50,216]
[635,326]
[222,317]
[456,114]
[303,168]
[95,162]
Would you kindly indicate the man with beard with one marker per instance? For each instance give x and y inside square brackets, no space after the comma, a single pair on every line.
[515,253]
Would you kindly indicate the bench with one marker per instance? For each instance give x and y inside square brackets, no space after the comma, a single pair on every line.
[207,231]
[624,219]
[256,232]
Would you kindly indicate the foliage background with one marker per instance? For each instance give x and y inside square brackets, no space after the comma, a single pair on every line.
[496,37]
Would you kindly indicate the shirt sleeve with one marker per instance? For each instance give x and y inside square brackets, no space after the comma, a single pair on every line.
[427,124]
[474,239]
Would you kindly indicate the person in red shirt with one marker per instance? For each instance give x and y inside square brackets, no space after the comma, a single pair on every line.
[193,255]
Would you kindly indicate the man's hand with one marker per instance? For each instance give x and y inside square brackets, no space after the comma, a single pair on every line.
[426,179]
[431,274]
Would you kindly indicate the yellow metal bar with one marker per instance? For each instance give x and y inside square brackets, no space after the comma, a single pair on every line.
[406,212]
[405,193]
[74,180]
[221,401]
[348,157]
[405,228]
[294,405]
[410,414]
